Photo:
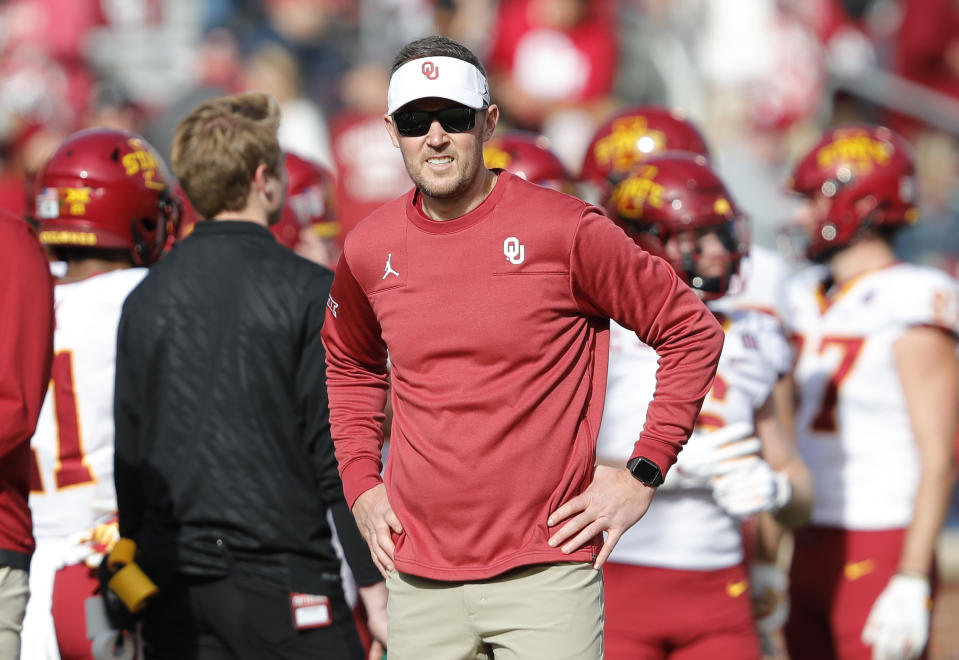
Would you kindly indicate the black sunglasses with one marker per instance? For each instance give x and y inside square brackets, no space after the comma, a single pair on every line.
[416,123]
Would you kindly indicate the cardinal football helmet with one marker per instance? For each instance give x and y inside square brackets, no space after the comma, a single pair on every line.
[106,189]
[868,175]
[635,134]
[676,195]
[527,155]
[310,202]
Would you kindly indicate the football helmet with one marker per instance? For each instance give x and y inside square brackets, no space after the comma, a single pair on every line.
[310,202]
[668,203]
[633,135]
[106,188]
[527,155]
[867,174]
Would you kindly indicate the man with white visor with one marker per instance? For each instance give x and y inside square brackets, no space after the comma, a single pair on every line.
[492,297]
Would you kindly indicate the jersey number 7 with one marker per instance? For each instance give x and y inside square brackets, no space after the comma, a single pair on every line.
[849,348]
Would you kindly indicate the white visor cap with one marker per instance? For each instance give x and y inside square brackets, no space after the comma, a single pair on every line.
[440,77]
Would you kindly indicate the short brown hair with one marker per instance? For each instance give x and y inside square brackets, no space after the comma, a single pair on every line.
[218,146]
[435,46]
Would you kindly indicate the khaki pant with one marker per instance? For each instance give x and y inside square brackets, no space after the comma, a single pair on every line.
[550,611]
[14,589]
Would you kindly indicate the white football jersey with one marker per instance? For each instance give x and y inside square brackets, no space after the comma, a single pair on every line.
[852,425]
[72,487]
[686,529]
[760,284]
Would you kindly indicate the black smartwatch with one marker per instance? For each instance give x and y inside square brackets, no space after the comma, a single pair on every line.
[645,471]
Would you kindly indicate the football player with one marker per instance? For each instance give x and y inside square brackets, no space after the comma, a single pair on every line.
[629,137]
[675,585]
[104,208]
[639,132]
[876,375]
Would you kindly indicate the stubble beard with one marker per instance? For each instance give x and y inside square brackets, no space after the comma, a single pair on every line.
[445,190]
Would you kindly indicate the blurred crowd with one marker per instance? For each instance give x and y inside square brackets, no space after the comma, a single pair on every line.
[762,77]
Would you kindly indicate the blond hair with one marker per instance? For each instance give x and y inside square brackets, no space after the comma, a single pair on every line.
[218,146]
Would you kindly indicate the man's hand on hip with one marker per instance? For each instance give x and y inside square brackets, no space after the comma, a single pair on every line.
[376,521]
[612,503]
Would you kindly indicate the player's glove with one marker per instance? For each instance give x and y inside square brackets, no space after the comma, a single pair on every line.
[752,487]
[707,455]
[100,541]
[898,625]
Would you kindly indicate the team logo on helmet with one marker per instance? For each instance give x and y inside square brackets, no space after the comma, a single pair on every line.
[632,195]
[856,150]
[140,160]
[629,139]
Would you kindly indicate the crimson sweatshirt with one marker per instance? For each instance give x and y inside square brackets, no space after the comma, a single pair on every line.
[496,327]
[26,353]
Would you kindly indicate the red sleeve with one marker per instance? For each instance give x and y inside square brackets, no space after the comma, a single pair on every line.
[614,278]
[26,325]
[357,381]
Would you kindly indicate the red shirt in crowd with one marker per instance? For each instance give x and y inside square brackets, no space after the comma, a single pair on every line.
[370,170]
[575,62]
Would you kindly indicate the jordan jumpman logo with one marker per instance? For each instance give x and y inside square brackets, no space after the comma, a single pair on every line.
[389,268]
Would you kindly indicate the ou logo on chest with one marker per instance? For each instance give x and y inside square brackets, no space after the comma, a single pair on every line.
[514,250]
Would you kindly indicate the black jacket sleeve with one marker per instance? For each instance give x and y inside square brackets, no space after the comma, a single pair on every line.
[355,549]
[311,391]
[126,412]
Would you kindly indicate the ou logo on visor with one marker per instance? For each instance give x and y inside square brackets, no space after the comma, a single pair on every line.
[514,250]
[430,70]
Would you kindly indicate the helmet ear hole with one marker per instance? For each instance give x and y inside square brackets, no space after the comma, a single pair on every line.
[146,247]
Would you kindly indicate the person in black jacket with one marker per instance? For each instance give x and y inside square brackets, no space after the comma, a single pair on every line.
[224,463]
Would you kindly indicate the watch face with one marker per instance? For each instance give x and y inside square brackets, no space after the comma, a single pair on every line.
[646,471]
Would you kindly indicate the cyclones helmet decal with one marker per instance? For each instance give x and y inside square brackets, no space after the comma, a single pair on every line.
[635,134]
[106,188]
[677,195]
[868,175]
